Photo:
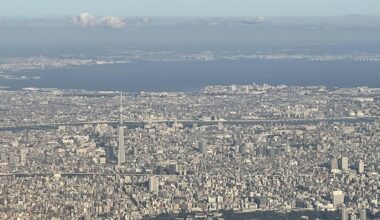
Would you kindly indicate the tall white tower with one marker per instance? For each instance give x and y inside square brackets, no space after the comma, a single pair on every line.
[121,151]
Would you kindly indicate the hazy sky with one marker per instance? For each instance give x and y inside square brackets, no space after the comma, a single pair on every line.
[47,8]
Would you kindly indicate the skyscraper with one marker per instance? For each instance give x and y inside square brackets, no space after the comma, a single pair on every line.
[361,166]
[110,154]
[344,213]
[153,184]
[344,163]
[334,165]
[363,214]
[121,150]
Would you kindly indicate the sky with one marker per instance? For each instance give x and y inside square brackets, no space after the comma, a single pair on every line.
[173,8]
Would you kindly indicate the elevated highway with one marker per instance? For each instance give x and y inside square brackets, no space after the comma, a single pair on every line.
[134,124]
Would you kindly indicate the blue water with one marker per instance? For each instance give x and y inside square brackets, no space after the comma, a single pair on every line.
[191,76]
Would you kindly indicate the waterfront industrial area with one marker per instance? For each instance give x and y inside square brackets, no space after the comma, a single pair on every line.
[75,154]
[14,68]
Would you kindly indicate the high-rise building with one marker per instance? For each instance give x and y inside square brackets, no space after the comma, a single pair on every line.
[353,216]
[23,156]
[172,169]
[344,213]
[363,214]
[334,164]
[233,88]
[271,152]
[110,154]
[337,197]
[360,166]
[260,152]
[344,163]
[243,148]
[160,170]
[121,150]
[153,184]
[134,151]
[203,147]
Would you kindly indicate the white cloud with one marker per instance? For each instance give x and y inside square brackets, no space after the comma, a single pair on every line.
[260,19]
[257,20]
[88,20]
[85,20]
[112,22]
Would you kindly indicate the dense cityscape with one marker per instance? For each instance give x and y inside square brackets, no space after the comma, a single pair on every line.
[242,149]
